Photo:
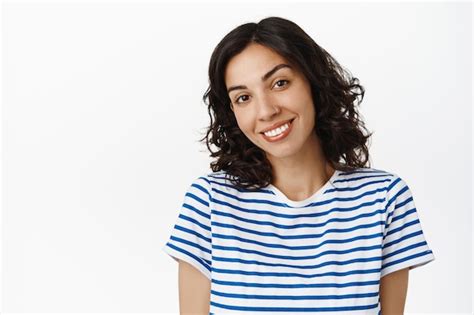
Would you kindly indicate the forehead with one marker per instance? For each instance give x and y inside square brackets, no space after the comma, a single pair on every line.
[251,63]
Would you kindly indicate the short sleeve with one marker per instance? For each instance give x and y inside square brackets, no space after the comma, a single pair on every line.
[190,238]
[404,243]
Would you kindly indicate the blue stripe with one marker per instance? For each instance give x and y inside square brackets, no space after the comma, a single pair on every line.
[295,309]
[292,274]
[398,205]
[302,247]
[402,203]
[396,195]
[404,249]
[395,230]
[333,262]
[401,239]
[186,230]
[201,188]
[259,222]
[280,204]
[401,216]
[303,236]
[292,216]
[192,220]
[196,258]
[205,179]
[295,286]
[201,213]
[424,253]
[193,196]
[345,180]
[242,190]
[181,240]
[328,252]
[295,297]
[355,188]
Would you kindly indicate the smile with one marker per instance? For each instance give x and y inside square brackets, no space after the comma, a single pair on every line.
[279,133]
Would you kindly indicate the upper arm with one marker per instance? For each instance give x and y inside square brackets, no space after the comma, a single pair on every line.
[403,244]
[194,290]
[393,292]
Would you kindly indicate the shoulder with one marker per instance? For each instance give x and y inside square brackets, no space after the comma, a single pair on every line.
[224,187]
[395,184]
[220,179]
[381,182]
[395,189]
[210,181]
[366,175]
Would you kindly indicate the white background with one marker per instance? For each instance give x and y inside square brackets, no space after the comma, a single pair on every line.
[102,112]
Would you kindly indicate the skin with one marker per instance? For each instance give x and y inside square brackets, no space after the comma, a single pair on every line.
[298,162]
[393,292]
[194,290]
[299,165]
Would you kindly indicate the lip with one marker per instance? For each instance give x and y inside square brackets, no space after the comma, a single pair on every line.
[276,125]
[281,136]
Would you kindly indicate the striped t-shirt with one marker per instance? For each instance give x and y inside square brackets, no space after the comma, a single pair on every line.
[265,253]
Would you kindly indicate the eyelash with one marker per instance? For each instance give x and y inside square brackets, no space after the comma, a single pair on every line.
[287,81]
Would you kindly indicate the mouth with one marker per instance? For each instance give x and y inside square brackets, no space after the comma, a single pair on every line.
[288,122]
[275,136]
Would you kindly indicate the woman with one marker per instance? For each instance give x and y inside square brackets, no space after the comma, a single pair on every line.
[291,220]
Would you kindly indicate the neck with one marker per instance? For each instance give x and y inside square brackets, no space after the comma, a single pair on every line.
[302,174]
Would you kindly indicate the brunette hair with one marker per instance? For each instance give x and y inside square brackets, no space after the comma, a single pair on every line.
[334,92]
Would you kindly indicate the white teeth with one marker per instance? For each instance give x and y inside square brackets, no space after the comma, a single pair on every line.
[277,131]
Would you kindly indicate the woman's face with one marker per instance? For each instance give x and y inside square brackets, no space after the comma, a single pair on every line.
[263,92]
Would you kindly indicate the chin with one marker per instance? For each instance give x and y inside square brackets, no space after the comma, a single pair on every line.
[281,153]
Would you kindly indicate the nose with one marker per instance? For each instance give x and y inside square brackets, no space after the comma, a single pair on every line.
[267,107]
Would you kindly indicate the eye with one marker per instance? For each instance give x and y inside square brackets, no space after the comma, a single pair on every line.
[237,99]
[280,85]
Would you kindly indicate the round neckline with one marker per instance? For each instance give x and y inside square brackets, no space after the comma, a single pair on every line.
[314,196]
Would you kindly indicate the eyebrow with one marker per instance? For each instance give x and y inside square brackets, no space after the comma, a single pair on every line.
[264,78]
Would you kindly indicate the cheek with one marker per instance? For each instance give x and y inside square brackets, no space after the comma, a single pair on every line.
[297,98]
[243,122]
[248,129]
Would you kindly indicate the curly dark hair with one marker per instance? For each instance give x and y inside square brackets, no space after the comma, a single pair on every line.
[334,92]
